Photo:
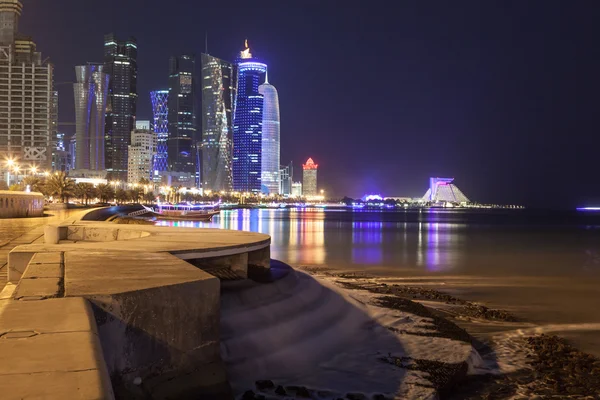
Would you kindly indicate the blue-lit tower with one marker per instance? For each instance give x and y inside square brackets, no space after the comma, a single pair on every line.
[160,124]
[247,123]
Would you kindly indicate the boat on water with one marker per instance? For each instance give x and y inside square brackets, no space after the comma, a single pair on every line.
[182,212]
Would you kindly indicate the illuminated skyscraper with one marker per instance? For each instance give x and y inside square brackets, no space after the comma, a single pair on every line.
[182,140]
[120,63]
[217,133]
[247,124]
[160,125]
[90,93]
[270,149]
[141,153]
[309,178]
[27,96]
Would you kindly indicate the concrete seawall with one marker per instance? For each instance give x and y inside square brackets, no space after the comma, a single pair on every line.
[153,296]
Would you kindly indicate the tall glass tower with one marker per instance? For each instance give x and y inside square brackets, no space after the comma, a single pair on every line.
[182,140]
[270,138]
[217,132]
[160,125]
[90,93]
[247,123]
[120,62]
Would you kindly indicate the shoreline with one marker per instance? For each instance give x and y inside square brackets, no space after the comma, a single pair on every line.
[542,365]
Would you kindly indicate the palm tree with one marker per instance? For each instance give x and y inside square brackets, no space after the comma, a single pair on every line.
[79,191]
[35,183]
[61,186]
[121,196]
[90,193]
[149,197]
[135,194]
[176,194]
[105,192]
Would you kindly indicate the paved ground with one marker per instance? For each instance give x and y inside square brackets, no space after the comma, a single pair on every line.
[18,231]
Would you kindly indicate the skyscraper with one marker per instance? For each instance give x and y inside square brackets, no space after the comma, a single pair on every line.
[182,140]
[27,97]
[270,149]
[247,123]
[217,133]
[90,92]
[309,178]
[10,12]
[286,176]
[120,63]
[160,126]
[141,153]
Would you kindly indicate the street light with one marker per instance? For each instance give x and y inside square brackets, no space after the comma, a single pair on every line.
[34,169]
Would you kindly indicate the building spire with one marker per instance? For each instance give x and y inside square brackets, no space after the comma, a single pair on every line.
[266,77]
[246,52]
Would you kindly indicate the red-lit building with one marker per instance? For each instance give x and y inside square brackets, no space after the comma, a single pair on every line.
[309,178]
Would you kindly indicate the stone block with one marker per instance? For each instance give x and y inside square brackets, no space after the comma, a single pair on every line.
[54,257]
[50,349]
[156,314]
[126,234]
[48,316]
[35,271]
[54,234]
[100,234]
[17,263]
[44,288]
[75,232]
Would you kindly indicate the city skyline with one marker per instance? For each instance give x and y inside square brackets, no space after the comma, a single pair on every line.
[466,101]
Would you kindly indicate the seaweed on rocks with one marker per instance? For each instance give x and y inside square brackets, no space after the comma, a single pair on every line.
[444,327]
[563,369]
[464,308]
[443,376]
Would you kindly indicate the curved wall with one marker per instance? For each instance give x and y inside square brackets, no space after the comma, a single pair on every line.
[21,204]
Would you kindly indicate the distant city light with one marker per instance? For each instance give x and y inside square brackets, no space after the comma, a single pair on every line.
[372,197]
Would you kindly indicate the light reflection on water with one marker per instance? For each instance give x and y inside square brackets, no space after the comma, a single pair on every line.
[429,244]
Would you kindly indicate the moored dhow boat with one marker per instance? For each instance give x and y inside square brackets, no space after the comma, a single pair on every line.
[168,212]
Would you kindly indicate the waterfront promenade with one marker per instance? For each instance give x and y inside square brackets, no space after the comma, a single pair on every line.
[17,231]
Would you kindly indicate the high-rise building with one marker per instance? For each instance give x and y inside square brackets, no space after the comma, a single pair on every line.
[10,12]
[217,132]
[286,176]
[309,178]
[296,189]
[182,140]
[160,125]
[60,155]
[247,123]
[270,150]
[141,153]
[120,63]
[90,93]
[27,96]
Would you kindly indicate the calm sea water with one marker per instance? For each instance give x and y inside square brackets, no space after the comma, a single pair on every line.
[542,266]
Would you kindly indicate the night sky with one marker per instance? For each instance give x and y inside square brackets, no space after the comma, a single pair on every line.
[501,95]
